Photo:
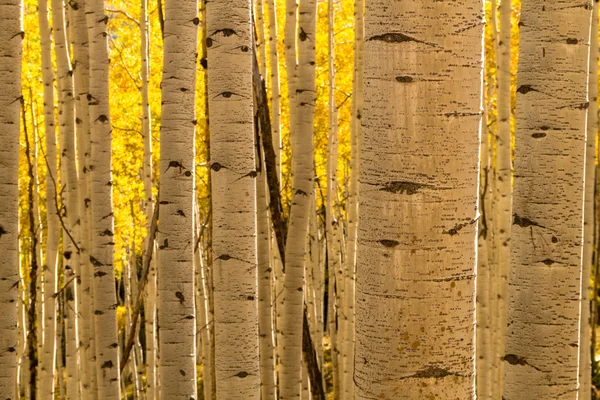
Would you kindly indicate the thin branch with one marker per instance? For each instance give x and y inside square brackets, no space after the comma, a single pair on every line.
[125,14]
[55,295]
[60,218]
[141,286]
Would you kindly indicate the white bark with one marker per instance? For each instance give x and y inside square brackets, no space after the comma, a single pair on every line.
[265,291]
[175,301]
[48,357]
[274,84]
[419,159]
[503,188]
[350,263]
[585,365]
[542,336]
[69,211]
[484,300]
[11,37]
[233,180]
[152,392]
[301,89]
[87,349]
[102,220]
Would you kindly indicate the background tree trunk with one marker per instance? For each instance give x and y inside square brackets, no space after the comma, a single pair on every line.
[542,336]
[48,357]
[102,217]
[585,351]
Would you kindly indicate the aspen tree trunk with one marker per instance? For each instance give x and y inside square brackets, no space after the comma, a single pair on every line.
[102,221]
[305,387]
[69,211]
[350,264]
[419,159]
[542,336]
[585,357]
[11,37]
[22,361]
[483,298]
[175,301]
[265,291]
[204,325]
[261,42]
[150,293]
[503,188]
[151,334]
[301,89]
[344,363]
[33,266]
[274,92]
[332,314]
[87,346]
[38,235]
[339,358]
[318,281]
[233,184]
[48,356]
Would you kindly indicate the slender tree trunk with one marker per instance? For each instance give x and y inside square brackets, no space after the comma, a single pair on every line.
[204,325]
[542,336]
[32,293]
[419,159]
[150,292]
[81,65]
[503,187]
[265,291]
[274,92]
[332,312]
[585,356]
[152,392]
[48,356]
[175,301]
[11,37]
[350,264]
[233,184]
[301,89]
[484,298]
[69,210]
[102,220]
[39,307]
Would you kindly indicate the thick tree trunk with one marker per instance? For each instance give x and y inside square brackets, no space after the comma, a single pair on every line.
[233,183]
[542,336]
[11,37]
[101,217]
[175,301]
[419,159]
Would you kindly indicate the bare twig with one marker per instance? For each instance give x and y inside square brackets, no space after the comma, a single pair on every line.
[60,217]
[141,286]
[123,13]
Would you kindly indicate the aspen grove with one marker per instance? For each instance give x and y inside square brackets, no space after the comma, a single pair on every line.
[299,200]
